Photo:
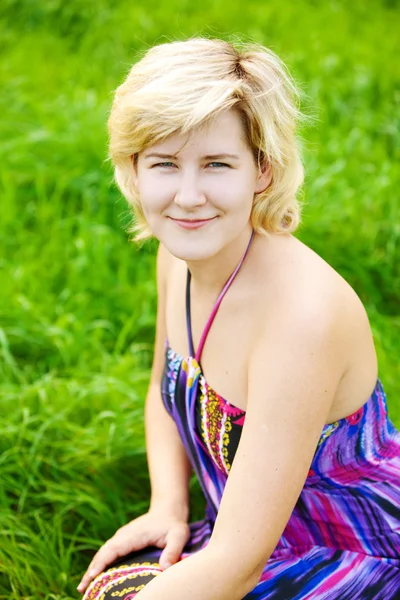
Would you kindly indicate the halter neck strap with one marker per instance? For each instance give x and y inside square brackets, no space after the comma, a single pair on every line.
[214,311]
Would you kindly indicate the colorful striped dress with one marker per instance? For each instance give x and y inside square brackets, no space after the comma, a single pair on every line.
[342,541]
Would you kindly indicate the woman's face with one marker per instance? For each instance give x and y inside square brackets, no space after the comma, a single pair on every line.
[197,190]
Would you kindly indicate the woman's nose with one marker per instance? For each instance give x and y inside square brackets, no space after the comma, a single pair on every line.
[189,193]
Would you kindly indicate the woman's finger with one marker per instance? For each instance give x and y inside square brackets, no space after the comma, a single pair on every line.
[176,540]
[106,555]
[120,544]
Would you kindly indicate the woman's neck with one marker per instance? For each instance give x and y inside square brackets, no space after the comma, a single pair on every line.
[208,277]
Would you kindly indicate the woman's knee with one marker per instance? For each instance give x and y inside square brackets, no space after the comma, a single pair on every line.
[122,582]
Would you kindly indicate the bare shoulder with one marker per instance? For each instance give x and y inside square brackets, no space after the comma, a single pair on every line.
[299,276]
[299,282]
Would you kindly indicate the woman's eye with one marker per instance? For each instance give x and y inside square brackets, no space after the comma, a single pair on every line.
[168,165]
[164,164]
[219,164]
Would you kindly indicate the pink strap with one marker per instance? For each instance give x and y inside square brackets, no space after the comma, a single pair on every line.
[218,302]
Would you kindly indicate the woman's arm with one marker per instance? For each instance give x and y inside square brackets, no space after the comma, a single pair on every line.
[293,372]
[169,466]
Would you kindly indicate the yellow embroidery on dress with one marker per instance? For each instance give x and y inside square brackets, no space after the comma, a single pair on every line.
[122,593]
[127,590]
[111,575]
[213,427]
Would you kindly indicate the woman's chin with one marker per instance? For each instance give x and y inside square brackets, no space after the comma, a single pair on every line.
[190,247]
[191,252]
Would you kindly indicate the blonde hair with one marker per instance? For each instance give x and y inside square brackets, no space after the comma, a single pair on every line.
[179,86]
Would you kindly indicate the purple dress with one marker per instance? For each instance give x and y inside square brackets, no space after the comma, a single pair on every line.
[342,541]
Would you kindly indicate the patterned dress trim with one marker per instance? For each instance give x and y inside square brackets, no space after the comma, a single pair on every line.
[114,577]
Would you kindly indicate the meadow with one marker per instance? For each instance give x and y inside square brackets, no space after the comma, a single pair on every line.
[77,299]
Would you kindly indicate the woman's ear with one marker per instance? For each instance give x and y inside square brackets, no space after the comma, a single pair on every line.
[264,177]
[133,158]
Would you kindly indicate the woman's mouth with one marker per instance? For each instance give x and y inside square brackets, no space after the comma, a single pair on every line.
[192,223]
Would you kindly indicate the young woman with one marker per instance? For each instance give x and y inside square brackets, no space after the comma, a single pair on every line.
[265,377]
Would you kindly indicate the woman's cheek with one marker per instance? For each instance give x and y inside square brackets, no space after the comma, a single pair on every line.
[156,197]
[233,196]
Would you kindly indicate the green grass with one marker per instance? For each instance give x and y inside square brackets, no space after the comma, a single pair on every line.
[77,301]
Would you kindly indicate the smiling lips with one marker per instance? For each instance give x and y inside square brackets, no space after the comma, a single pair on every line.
[192,224]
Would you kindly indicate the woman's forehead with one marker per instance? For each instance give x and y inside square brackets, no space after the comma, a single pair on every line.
[223,136]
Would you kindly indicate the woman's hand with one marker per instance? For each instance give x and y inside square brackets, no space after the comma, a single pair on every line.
[155,528]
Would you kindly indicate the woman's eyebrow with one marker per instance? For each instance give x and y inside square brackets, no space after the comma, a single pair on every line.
[160,155]
[207,157]
[224,155]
